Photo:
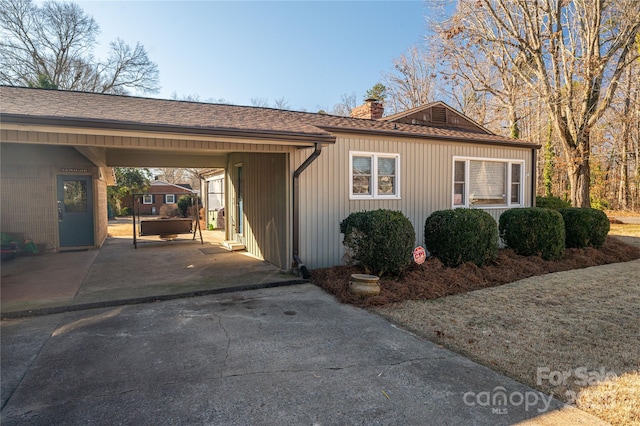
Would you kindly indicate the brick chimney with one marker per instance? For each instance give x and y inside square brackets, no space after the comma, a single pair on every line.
[371,110]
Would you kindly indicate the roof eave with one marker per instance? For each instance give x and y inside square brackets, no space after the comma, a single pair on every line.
[515,144]
[161,128]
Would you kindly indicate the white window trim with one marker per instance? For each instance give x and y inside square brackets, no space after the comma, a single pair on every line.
[144,199]
[506,161]
[374,176]
[166,199]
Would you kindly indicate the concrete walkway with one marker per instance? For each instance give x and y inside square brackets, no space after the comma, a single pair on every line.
[287,355]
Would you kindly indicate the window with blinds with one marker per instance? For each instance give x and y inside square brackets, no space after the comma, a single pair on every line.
[487,182]
[374,175]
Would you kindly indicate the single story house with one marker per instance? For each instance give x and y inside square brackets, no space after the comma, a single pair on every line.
[159,195]
[290,177]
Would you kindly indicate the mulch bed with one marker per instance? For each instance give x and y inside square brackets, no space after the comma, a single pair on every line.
[432,279]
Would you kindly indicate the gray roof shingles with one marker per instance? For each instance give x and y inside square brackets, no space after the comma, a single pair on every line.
[52,104]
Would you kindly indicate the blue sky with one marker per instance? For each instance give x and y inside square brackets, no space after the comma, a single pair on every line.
[309,53]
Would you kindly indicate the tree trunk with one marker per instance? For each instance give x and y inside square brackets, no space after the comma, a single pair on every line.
[549,156]
[514,129]
[580,173]
[623,192]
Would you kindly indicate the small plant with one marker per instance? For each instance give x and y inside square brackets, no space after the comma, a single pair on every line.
[184,202]
[552,202]
[125,211]
[533,231]
[600,204]
[381,241]
[461,235]
[585,227]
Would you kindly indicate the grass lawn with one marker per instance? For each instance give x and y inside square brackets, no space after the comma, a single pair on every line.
[573,334]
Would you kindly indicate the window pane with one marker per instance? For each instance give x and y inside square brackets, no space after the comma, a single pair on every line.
[458,194]
[487,182]
[386,185]
[362,165]
[516,176]
[515,193]
[361,184]
[386,166]
[386,176]
[361,175]
[515,173]
[459,171]
[75,196]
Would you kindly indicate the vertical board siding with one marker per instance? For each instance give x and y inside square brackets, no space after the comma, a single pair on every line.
[265,204]
[425,186]
[28,175]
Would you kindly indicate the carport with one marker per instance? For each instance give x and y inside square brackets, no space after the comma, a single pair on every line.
[53,139]
[116,274]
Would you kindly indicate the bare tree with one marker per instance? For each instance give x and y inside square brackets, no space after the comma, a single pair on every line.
[281,103]
[483,69]
[573,52]
[260,102]
[52,45]
[412,82]
[347,103]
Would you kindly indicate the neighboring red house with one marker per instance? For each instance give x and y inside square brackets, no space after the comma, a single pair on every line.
[162,193]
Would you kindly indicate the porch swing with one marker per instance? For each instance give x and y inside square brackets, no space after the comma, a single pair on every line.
[167,229]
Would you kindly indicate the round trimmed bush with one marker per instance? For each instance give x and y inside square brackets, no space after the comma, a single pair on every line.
[381,241]
[585,227]
[461,235]
[533,231]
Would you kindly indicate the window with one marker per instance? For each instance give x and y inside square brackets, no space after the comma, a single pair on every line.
[75,196]
[516,182]
[169,199]
[147,199]
[486,182]
[374,175]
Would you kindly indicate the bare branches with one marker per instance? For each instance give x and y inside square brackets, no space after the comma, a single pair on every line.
[54,43]
[413,81]
[574,52]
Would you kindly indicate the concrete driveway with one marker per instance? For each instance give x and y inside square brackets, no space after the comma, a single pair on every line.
[286,355]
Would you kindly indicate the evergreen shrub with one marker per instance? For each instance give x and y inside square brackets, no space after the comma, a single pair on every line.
[381,241]
[533,231]
[585,227]
[461,235]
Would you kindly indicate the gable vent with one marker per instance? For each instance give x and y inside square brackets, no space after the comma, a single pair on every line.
[438,115]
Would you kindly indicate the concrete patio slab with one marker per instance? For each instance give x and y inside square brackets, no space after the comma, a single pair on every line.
[117,274]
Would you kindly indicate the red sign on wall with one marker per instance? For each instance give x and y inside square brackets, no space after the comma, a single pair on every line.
[419,255]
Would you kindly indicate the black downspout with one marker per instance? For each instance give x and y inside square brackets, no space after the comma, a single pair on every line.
[296,210]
